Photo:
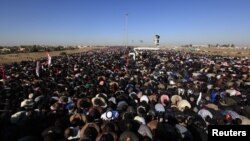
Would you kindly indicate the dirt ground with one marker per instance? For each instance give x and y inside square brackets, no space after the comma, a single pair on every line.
[10,58]
[236,52]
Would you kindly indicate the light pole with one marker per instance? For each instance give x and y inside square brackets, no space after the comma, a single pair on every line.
[126,24]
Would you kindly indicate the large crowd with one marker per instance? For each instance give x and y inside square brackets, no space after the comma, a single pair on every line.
[106,95]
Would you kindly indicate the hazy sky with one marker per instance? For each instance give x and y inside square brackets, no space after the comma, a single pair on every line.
[72,22]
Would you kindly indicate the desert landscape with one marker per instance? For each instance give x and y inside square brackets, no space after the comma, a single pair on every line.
[237,52]
[234,52]
[10,58]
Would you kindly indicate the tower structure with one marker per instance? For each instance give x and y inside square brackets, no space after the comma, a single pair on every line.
[157,40]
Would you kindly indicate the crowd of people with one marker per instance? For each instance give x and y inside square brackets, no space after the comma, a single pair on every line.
[106,95]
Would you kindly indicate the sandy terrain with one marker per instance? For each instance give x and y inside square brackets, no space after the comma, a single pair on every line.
[9,58]
[237,52]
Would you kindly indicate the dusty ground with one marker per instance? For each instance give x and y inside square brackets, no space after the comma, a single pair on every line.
[9,58]
[238,52]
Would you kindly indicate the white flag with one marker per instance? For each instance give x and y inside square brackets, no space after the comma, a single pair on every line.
[37,68]
[49,59]
[199,99]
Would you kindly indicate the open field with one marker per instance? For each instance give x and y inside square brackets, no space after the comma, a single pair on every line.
[237,52]
[10,58]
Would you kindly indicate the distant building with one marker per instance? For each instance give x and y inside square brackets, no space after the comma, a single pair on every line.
[22,49]
[200,46]
[5,50]
[81,46]
[157,40]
